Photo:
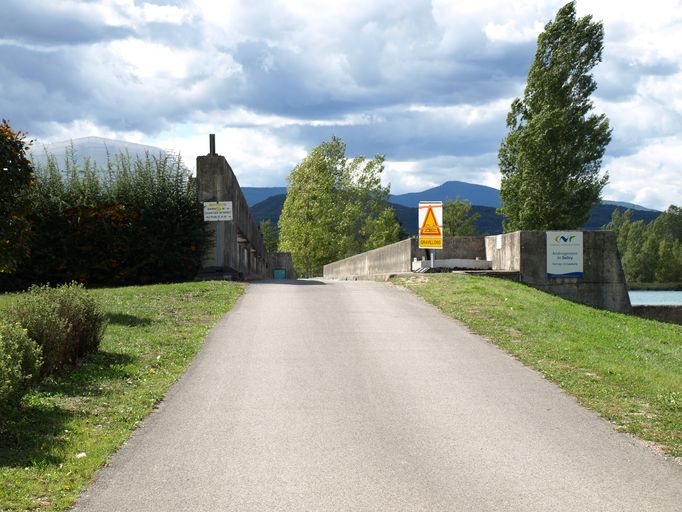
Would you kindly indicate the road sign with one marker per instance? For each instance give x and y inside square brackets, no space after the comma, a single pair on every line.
[430,225]
[217,210]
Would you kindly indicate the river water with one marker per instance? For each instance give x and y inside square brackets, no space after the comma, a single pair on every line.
[656,298]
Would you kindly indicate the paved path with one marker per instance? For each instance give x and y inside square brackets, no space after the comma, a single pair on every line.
[358,396]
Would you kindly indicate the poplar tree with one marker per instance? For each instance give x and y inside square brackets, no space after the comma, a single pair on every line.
[551,158]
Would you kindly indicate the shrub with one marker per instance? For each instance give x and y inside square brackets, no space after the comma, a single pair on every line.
[19,364]
[66,322]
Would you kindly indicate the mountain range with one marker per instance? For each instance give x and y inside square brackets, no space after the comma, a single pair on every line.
[267,203]
[478,195]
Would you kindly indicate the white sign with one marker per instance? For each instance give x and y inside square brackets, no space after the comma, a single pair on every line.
[218,210]
[430,224]
[564,254]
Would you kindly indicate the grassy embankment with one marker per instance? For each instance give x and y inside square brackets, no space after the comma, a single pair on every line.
[626,368]
[70,425]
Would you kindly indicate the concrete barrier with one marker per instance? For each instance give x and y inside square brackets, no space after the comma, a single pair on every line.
[397,258]
[669,314]
[390,259]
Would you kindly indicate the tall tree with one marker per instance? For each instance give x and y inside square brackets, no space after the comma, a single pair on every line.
[551,158]
[16,178]
[456,218]
[270,235]
[335,207]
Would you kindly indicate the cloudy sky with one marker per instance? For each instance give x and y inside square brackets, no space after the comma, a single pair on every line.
[427,83]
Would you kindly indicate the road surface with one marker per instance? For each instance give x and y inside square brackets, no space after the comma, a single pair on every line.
[331,396]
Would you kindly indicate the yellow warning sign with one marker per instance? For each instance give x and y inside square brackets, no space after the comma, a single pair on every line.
[430,226]
[430,243]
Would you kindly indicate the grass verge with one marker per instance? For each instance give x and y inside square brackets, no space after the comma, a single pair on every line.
[626,368]
[70,425]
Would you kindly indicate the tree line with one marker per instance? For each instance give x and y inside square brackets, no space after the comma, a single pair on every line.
[650,253]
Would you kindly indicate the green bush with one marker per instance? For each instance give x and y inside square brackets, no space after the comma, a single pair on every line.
[66,322]
[19,364]
[136,222]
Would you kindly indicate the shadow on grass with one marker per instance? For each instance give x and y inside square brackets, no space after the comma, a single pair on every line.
[28,437]
[36,429]
[127,320]
[87,378]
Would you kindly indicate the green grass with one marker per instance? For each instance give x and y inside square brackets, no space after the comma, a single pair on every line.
[153,334]
[626,368]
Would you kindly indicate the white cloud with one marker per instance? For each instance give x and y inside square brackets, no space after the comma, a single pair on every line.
[428,83]
[511,32]
[256,157]
[652,176]
[411,176]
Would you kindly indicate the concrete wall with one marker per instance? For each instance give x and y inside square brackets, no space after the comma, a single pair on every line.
[670,314]
[238,250]
[389,259]
[603,282]
[397,257]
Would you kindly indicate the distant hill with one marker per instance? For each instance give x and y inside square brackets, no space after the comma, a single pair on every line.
[630,206]
[601,215]
[255,195]
[269,209]
[476,194]
[488,223]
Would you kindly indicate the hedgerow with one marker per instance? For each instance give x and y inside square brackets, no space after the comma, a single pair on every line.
[135,222]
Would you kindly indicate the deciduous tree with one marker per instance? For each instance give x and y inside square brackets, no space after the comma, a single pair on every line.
[16,177]
[270,235]
[456,218]
[335,207]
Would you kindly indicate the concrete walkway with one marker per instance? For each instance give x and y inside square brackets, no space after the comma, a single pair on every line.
[359,396]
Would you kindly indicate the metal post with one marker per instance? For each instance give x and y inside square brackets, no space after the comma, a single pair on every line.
[432,252]
[211,139]
[219,245]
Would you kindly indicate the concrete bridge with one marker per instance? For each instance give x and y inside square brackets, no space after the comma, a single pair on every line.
[238,251]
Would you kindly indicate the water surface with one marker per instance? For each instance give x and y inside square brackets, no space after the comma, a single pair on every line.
[655,298]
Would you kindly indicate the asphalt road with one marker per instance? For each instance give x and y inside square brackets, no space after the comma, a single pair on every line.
[358,396]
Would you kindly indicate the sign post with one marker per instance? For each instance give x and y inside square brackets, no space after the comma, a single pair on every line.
[431,226]
[564,254]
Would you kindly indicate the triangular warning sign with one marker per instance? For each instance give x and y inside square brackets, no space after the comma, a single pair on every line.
[430,226]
